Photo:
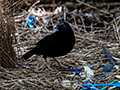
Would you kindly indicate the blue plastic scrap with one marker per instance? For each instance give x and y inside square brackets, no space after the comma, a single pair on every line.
[64,11]
[45,20]
[107,86]
[90,88]
[71,26]
[30,22]
[117,84]
[18,66]
[67,17]
[108,55]
[101,75]
[88,15]
[71,12]
[77,70]
[108,68]
[109,73]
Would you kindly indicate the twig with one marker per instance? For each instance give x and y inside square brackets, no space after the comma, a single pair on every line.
[93,7]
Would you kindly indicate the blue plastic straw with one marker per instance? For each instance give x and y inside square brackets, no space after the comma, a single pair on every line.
[117,84]
[107,86]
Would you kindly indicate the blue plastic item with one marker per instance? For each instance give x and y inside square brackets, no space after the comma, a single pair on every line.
[71,12]
[71,26]
[64,11]
[76,70]
[30,21]
[45,20]
[104,74]
[108,55]
[117,84]
[88,15]
[101,75]
[107,86]
[18,66]
[108,68]
[90,88]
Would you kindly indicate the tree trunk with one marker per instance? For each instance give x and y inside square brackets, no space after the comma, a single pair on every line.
[7,30]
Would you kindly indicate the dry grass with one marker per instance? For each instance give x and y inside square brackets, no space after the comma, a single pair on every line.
[90,33]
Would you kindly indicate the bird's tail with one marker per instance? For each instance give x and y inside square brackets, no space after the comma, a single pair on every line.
[29,54]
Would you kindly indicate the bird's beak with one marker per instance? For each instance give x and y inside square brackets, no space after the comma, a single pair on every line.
[55,27]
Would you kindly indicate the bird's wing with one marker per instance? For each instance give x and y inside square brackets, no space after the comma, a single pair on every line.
[49,41]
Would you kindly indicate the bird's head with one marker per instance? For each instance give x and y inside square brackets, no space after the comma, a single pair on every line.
[61,26]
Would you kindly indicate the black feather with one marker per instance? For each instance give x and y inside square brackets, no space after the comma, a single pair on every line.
[56,44]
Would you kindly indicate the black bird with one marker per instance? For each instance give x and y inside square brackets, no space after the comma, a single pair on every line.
[57,44]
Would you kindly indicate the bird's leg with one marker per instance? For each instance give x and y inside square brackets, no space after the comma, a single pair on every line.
[46,65]
[57,61]
[61,64]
